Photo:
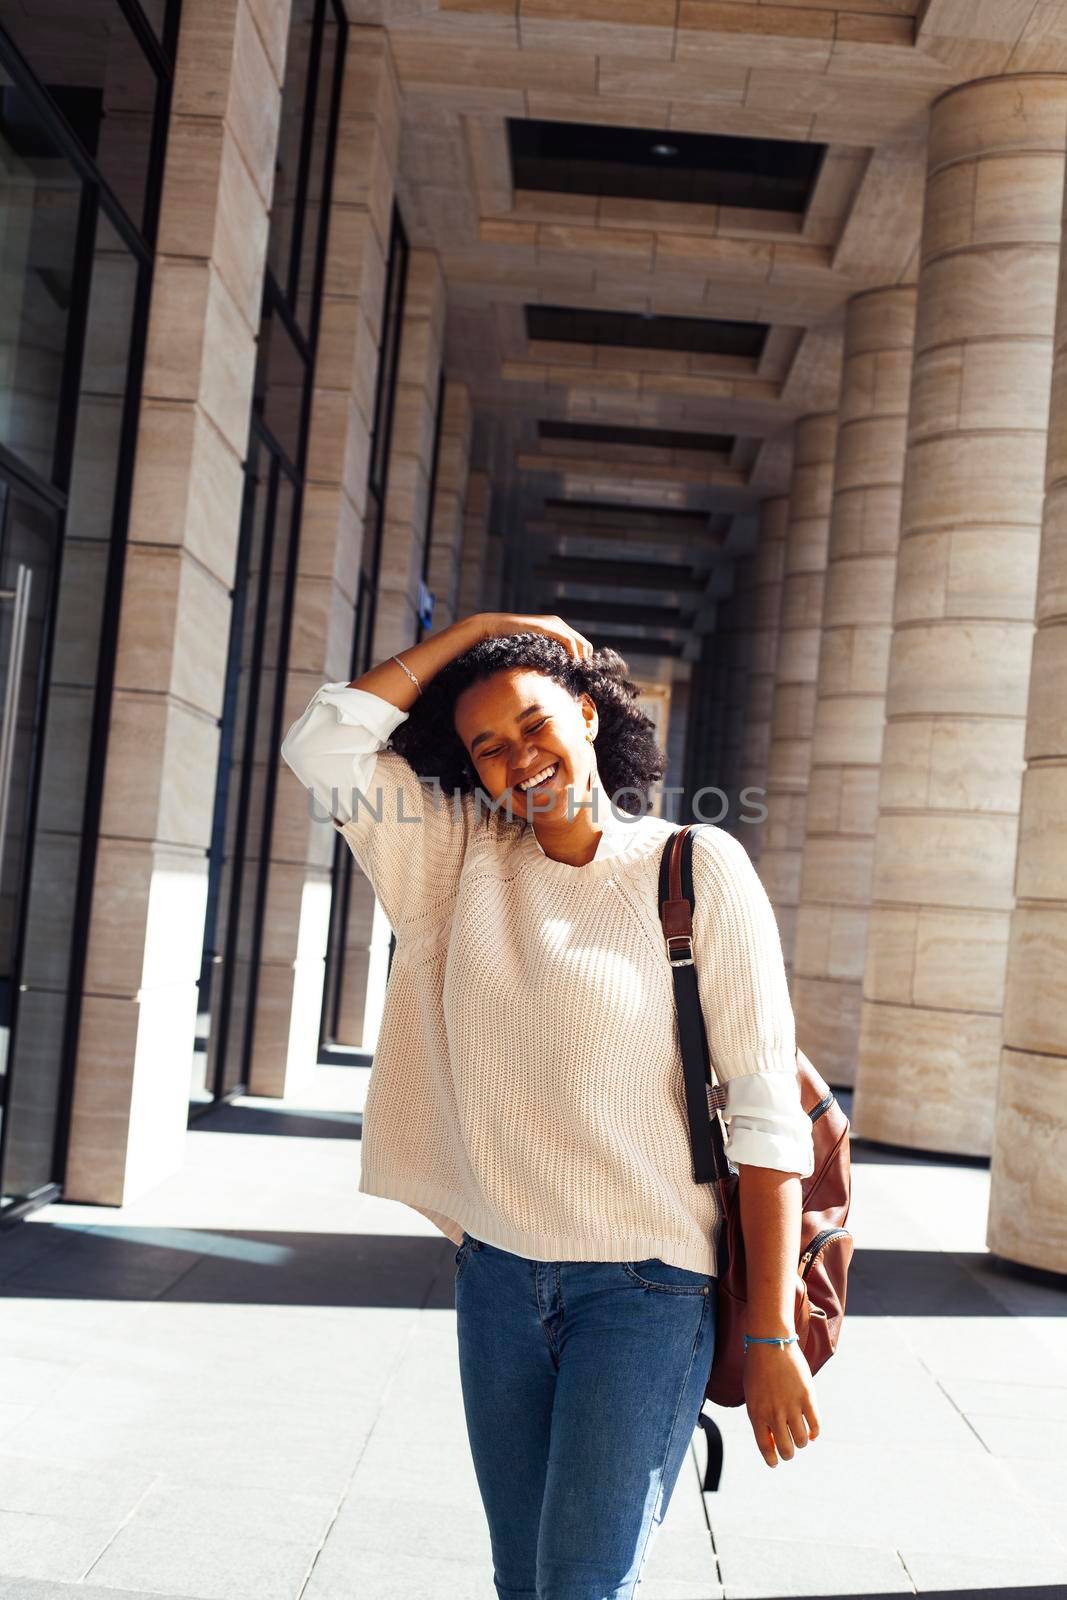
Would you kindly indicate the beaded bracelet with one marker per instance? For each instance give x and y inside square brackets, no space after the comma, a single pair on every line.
[791,1339]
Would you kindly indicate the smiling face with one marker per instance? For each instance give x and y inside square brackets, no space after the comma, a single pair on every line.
[516,724]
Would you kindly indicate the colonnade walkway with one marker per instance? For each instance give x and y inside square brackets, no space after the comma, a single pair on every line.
[243,1387]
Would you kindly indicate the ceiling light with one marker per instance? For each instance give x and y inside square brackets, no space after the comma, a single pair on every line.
[664,150]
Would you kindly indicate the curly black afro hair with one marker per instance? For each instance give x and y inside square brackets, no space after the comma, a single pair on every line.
[629,761]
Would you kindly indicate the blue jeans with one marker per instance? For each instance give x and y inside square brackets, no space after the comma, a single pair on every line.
[582,1383]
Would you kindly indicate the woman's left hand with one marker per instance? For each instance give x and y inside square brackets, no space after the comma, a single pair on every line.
[780,1400]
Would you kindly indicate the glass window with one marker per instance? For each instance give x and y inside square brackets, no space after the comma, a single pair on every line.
[252,724]
[281,372]
[155,13]
[68,595]
[88,58]
[317,156]
[301,168]
[40,203]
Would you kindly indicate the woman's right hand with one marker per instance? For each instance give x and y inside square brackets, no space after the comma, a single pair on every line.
[498,624]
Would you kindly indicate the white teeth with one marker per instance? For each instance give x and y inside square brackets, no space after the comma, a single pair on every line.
[537,777]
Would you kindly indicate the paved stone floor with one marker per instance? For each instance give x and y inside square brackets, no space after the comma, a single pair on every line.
[243,1387]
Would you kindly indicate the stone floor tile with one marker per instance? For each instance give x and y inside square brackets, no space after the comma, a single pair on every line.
[95,1267]
[34,1546]
[246,1401]
[207,1567]
[221,1509]
[1042,1482]
[388,1523]
[932,1571]
[28,1380]
[679,1557]
[26,1246]
[12,1416]
[13,1588]
[1026,1436]
[57,1489]
[347,1575]
[929,1498]
[754,1568]
[998,1399]
[676,1589]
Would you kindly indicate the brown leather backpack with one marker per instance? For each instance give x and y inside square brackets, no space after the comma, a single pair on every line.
[826,1245]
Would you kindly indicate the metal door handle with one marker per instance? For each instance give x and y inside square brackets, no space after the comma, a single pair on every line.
[21,596]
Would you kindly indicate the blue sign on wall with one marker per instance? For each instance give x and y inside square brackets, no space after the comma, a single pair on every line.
[426,601]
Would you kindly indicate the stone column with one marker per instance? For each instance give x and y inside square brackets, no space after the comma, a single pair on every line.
[475,536]
[793,716]
[292,970]
[407,510]
[718,680]
[407,505]
[846,755]
[696,769]
[492,588]
[1028,1199]
[446,538]
[737,639]
[766,626]
[146,929]
[959,665]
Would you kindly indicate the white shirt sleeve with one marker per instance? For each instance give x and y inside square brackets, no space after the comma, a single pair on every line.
[768,1126]
[333,745]
[745,1003]
[408,836]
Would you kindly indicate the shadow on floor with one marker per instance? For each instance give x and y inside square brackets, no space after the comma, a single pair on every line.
[127,1262]
[130,1261]
[290,1121]
[1025,1591]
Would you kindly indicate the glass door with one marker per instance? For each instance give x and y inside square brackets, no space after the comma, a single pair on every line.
[30,1090]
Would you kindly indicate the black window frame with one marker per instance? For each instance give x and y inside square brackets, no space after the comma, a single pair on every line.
[276,302]
[367,597]
[97,199]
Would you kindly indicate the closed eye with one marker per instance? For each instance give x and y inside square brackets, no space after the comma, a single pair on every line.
[531,729]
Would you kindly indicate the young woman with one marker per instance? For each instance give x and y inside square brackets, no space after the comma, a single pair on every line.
[527,1092]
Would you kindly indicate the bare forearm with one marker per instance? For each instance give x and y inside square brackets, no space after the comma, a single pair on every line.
[425,659]
[770,1219]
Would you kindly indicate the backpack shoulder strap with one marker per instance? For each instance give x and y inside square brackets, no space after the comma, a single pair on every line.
[710,1163]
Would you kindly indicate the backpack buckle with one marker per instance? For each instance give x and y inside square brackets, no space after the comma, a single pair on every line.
[685,960]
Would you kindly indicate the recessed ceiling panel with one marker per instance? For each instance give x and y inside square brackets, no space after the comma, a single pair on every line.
[633,330]
[606,511]
[637,438]
[710,169]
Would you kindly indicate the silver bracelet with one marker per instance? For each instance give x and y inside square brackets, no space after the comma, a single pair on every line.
[409,672]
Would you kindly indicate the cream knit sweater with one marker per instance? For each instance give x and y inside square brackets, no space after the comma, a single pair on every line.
[527,1083]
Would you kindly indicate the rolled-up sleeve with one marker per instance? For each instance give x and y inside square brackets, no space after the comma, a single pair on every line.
[406,834]
[333,745]
[768,1126]
[748,1017]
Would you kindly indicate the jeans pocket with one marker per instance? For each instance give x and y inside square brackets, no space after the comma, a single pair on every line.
[665,1278]
[463,1252]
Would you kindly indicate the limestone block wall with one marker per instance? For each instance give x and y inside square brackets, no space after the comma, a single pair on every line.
[796,671]
[1028,1196]
[737,616]
[475,537]
[407,505]
[846,756]
[446,539]
[407,513]
[146,928]
[959,667]
[285,1035]
[766,628]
